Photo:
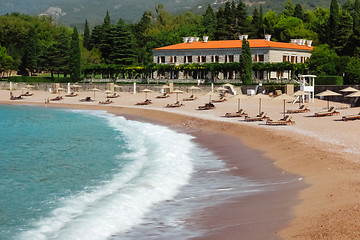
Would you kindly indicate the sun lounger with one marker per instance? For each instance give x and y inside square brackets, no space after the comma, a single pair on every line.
[71,95]
[222,99]
[113,96]
[351,117]
[258,117]
[207,106]
[177,104]
[165,95]
[27,94]
[302,109]
[108,101]
[146,102]
[284,121]
[332,111]
[12,97]
[87,99]
[239,113]
[58,98]
[191,98]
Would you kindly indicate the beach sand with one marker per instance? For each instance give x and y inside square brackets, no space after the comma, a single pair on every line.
[322,154]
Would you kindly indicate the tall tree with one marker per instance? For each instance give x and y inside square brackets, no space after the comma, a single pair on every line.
[209,22]
[333,22]
[75,57]
[86,41]
[242,18]
[32,52]
[343,42]
[107,20]
[6,61]
[288,9]
[246,63]
[298,12]
[257,24]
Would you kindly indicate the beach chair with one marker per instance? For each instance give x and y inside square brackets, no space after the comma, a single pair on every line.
[72,94]
[87,99]
[351,117]
[12,97]
[108,101]
[165,95]
[302,109]
[177,104]
[222,99]
[146,102]
[27,94]
[191,98]
[284,121]
[207,106]
[239,113]
[113,96]
[258,117]
[58,98]
[332,111]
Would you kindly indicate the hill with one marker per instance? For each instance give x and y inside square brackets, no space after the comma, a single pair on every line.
[74,12]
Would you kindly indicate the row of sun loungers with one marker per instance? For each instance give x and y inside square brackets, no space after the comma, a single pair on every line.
[332,111]
[259,117]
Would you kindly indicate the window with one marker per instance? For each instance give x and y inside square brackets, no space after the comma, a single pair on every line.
[212,59]
[231,58]
[199,59]
[226,58]
[255,58]
[189,59]
[292,59]
[216,58]
[162,59]
[261,58]
[203,59]
[285,58]
[171,59]
[158,59]
[175,59]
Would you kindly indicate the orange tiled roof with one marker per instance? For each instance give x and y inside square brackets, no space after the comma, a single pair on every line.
[254,43]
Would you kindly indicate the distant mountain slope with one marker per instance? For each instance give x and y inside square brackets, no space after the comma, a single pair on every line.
[74,12]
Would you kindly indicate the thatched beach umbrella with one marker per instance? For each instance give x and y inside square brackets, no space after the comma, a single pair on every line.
[301,93]
[211,94]
[146,91]
[59,90]
[355,94]
[239,97]
[328,93]
[192,88]
[177,92]
[349,89]
[284,97]
[95,90]
[260,96]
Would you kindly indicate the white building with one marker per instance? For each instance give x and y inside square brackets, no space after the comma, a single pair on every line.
[262,50]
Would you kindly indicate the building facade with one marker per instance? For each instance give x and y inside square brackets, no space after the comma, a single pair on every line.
[262,50]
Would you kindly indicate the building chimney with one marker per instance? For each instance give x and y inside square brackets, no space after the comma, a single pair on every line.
[246,36]
[241,37]
[293,41]
[309,42]
[205,38]
[196,39]
[267,37]
[185,39]
[190,39]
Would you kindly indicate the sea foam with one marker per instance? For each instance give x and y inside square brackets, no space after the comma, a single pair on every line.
[153,169]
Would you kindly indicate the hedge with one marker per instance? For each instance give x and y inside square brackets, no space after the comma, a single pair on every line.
[28,79]
[329,80]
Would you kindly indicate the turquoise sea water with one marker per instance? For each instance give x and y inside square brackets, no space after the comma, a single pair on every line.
[77,174]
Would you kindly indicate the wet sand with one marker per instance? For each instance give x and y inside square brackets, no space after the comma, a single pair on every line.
[321,204]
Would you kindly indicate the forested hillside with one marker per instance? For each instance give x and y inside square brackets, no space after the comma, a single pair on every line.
[73,12]
[114,47]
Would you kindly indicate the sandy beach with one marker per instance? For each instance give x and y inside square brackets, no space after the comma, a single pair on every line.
[322,154]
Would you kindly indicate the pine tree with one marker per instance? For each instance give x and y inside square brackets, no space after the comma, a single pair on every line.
[242,18]
[298,12]
[32,52]
[333,22]
[107,20]
[345,31]
[122,51]
[86,41]
[209,22]
[257,24]
[75,57]
[288,9]
[246,63]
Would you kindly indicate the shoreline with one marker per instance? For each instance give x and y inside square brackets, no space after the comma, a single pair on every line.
[326,209]
[243,215]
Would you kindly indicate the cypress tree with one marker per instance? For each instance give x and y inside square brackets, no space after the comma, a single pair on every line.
[246,63]
[107,20]
[75,57]
[345,32]
[32,50]
[298,12]
[242,18]
[86,42]
[333,22]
